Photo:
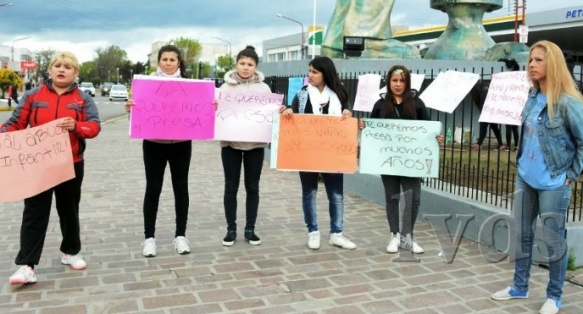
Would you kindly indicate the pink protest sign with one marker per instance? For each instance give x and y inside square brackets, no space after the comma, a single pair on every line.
[34,160]
[246,116]
[172,108]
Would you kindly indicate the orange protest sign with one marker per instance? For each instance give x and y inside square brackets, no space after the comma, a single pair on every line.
[317,143]
[34,160]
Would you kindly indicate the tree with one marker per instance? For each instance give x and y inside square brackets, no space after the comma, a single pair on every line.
[224,64]
[43,59]
[192,48]
[108,60]
[7,78]
[88,72]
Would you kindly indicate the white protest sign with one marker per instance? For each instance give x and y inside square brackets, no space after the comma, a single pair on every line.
[416,83]
[448,89]
[506,97]
[245,116]
[365,99]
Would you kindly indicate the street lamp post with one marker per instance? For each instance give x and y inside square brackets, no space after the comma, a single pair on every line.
[229,45]
[117,69]
[301,35]
[13,42]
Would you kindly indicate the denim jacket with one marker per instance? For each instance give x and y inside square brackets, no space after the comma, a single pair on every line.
[561,138]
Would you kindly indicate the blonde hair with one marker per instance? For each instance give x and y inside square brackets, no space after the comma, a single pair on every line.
[65,57]
[558,78]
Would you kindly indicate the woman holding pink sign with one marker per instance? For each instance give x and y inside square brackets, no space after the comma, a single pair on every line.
[324,95]
[159,153]
[57,98]
[250,155]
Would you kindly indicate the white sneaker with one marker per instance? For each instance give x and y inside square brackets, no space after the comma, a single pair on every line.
[393,246]
[149,247]
[181,245]
[339,240]
[23,275]
[74,261]
[408,244]
[551,306]
[314,240]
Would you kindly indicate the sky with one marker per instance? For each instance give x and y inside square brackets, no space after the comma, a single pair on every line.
[83,26]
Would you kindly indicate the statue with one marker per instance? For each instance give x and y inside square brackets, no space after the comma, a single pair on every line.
[465,37]
[370,19]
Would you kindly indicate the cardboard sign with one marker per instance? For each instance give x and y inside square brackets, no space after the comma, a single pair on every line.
[400,147]
[319,143]
[448,89]
[246,116]
[365,92]
[506,97]
[172,108]
[34,160]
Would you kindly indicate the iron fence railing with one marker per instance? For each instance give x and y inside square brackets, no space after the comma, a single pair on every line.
[485,175]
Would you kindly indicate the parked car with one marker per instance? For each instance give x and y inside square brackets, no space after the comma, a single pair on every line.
[118,91]
[105,87]
[87,87]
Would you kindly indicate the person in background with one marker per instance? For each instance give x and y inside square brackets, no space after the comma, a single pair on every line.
[511,130]
[479,93]
[12,95]
[324,95]
[400,103]
[58,98]
[250,155]
[159,153]
[549,159]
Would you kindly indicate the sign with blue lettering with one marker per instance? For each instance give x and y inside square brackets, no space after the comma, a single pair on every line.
[574,14]
[400,147]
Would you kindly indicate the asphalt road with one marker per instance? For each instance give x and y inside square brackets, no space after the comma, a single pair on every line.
[107,109]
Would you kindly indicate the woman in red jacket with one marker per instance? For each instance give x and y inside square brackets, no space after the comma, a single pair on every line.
[58,98]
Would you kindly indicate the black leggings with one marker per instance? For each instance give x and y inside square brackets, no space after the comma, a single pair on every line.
[412,194]
[252,161]
[35,219]
[484,130]
[511,130]
[156,156]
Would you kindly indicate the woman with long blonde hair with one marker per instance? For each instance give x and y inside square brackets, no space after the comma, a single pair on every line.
[549,159]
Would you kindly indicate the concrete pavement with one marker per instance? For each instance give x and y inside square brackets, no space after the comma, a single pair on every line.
[280,276]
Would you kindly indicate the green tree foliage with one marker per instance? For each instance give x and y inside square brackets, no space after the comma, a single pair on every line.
[191,49]
[7,78]
[43,59]
[224,64]
[108,60]
[88,72]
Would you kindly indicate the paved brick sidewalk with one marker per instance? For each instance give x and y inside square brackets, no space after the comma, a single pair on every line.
[280,276]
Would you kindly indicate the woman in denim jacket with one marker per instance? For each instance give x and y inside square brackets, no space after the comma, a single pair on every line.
[549,158]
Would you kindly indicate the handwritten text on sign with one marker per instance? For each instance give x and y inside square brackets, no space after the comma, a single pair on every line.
[318,143]
[246,116]
[172,108]
[506,97]
[400,147]
[365,99]
[34,160]
[448,89]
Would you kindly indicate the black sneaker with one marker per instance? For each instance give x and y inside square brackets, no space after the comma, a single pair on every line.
[252,237]
[229,239]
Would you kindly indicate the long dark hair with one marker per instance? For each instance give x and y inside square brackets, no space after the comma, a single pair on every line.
[407,99]
[181,63]
[326,66]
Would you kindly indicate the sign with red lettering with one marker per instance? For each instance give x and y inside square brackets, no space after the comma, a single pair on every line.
[28,65]
[34,160]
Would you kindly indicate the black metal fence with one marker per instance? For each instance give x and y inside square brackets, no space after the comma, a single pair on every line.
[484,175]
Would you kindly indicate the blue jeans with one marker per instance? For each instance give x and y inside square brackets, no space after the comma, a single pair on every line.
[551,205]
[334,183]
